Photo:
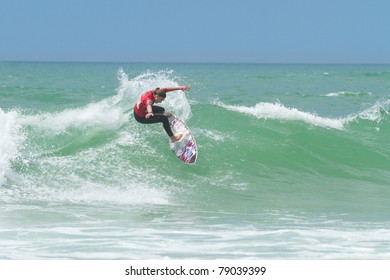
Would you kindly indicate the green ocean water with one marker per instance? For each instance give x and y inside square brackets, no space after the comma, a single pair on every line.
[293,163]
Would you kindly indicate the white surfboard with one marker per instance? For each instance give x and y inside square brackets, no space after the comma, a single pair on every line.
[185,149]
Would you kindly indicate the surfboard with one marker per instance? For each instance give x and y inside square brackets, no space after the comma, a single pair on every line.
[185,149]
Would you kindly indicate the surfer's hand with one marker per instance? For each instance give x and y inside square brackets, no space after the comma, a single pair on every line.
[185,88]
[148,115]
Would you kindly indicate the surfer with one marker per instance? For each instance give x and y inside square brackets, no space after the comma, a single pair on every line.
[145,112]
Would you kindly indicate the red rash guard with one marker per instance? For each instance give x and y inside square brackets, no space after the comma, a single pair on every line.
[144,100]
[140,108]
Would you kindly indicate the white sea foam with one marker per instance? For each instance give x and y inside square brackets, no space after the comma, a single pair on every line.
[374,113]
[11,138]
[101,114]
[264,110]
[100,194]
[278,111]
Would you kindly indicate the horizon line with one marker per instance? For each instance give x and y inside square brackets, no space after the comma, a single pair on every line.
[191,62]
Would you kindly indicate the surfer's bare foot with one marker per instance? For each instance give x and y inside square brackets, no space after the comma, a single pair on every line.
[176,137]
[168,114]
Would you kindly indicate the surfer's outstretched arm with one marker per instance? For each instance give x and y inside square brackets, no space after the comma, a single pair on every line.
[185,88]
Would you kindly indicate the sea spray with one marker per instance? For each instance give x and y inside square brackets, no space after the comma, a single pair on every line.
[11,139]
[175,102]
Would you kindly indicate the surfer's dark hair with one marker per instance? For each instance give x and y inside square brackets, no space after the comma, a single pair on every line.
[160,92]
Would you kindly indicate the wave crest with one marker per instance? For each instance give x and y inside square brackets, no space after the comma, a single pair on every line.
[264,110]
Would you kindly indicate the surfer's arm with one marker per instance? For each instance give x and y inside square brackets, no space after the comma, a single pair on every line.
[185,88]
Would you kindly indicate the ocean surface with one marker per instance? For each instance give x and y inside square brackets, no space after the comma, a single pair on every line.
[294,162]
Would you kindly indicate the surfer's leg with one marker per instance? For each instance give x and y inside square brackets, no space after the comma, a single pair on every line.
[161,110]
[165,123]
[158,109]
[164,120]
[156,118]
[159,117]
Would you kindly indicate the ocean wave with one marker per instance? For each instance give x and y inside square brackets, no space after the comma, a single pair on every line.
[93,150]
[264,110]
[376,113]
[112,112]
[101,114]
[347,94]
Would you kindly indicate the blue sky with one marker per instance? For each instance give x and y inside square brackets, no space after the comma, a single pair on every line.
[264,31]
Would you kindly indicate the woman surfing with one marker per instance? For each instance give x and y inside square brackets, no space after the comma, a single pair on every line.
[146,112]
